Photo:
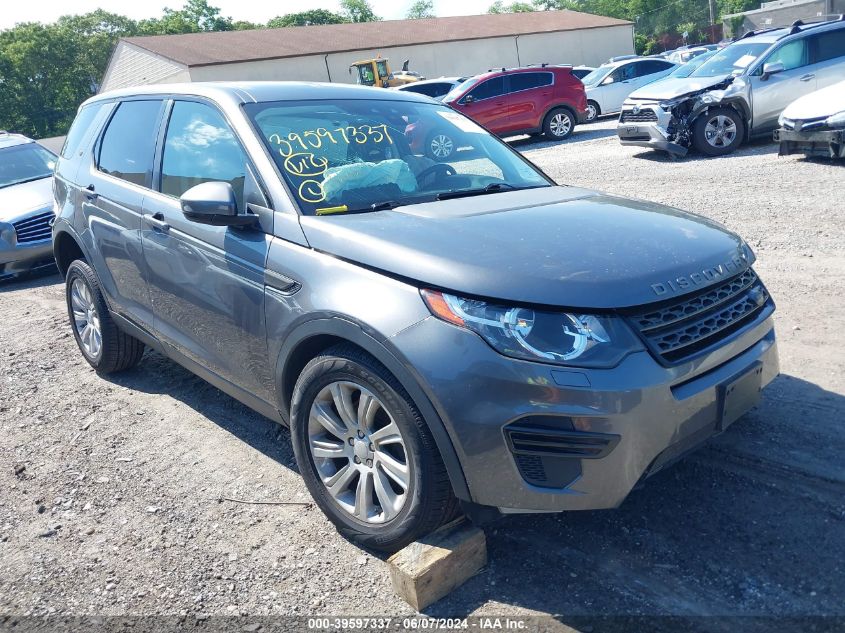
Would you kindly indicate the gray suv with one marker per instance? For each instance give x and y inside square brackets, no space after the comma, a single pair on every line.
[432,332]
[736,94]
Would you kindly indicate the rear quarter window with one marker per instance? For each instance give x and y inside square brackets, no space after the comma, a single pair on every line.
[828,45]
[84,118]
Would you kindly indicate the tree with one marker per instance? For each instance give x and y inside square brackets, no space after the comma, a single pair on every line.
[306,18]
[358,11]
[514,7]
[421,9]
[196,16]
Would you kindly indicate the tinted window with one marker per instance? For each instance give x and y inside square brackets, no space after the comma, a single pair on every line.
[650,67]
[81,123]
[429,90]
[494,87]
[829,45]
[200,147]
[526,81]
[791,55]
[623,73]
[438,90]
[128,145]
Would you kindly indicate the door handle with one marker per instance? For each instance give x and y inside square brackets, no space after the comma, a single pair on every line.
[807,77]
[90,194]
[156,220]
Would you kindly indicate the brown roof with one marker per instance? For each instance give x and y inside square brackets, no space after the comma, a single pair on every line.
[203,49]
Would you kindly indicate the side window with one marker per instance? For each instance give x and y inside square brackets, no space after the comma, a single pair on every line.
[494,87]
[200,147]
[623,73]
[80,126]
[128,145]
[382,69]
[650,67]
[791,55]
[828,45]
[526,81]
[438,90]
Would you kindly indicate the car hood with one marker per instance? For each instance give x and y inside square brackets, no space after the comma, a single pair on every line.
[672,87]
[17,200]
[824,102]
[556,246]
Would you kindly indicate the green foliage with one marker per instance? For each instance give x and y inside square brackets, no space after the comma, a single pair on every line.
[421,9]
[515,7]
[196,16]
[358,11]
[306,18]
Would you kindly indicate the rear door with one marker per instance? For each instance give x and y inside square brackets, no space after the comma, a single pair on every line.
[206,282]
[770,96]
[827,50]
[488,104]
[113,189]
[528,97]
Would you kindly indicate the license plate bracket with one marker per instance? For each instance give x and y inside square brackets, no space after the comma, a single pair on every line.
[739,394]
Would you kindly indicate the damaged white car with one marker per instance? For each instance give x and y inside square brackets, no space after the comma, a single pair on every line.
[814,125]
[738,93]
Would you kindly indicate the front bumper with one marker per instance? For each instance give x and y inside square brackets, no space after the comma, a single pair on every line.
[16,259]
[824,143]
[652,134]
[636,417]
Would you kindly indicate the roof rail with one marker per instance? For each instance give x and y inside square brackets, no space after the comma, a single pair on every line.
[760,32]
[796,27]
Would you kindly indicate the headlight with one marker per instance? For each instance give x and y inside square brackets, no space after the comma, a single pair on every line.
[561,338]
[837,120]
[7,233]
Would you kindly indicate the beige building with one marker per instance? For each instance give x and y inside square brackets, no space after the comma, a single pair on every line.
[436,47]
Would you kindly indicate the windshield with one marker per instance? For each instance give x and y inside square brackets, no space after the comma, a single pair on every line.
[731,60]
[687,69]
[23,163]
[460,89]
[595,77]
[365,155]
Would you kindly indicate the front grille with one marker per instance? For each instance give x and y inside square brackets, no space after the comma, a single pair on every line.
[643,116]
[34,229]
[679,329]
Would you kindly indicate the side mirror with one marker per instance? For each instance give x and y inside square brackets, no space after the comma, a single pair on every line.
[607,80]
[214,203]
[771,69]
[468,99]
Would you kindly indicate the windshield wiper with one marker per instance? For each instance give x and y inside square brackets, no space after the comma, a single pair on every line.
[24,181]
[493,187]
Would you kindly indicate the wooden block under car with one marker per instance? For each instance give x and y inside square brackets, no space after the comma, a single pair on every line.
[428,569]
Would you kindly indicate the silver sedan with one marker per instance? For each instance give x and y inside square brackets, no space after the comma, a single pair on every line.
[26,205]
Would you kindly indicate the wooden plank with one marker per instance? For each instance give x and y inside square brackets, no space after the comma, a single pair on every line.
[428,569]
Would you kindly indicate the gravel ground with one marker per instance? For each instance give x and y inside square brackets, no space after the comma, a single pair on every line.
[110,490]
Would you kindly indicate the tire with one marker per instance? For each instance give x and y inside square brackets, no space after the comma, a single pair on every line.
[439,146]
[559,124]
[718,132]
[116,351]
[424,504]
[593,111]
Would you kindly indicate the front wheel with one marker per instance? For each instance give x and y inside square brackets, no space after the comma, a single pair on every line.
[718,132]
[106,348]
[559,124]
[365,453]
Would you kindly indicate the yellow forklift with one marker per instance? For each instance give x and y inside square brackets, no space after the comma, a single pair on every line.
[376,72]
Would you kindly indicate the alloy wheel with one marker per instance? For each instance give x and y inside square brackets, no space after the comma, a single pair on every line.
[560,125]
[720,131]
[441,146]
[359,452]
[592,113]
[86,320]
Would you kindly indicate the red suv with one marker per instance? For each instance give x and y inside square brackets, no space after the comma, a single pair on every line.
[547,99]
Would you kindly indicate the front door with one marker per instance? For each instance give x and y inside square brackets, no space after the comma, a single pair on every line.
[487,104]
[113,194]
[616,87]
[771,95]
[206,282]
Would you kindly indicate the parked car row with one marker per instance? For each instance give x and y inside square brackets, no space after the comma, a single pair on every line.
[738,93]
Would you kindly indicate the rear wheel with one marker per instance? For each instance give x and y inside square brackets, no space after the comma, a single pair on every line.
[559,124]
[106,348]
[593,111]
[718,132]
[365,453]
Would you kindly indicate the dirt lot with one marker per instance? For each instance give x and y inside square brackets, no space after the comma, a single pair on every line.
[117,509]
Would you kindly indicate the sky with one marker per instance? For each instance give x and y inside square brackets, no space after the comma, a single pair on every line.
[251,10]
